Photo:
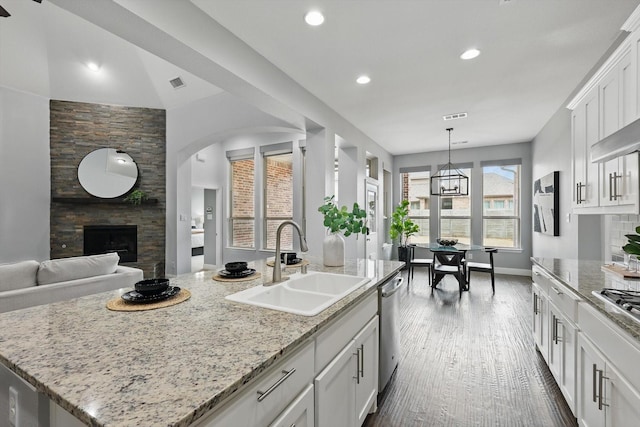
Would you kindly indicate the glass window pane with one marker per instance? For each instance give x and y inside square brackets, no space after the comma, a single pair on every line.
[286,237]
[242,233]
[278,199]
[415,189]
[502,233]
[456,228]
[500,188]
[501,198]
[242,204]
[279,186]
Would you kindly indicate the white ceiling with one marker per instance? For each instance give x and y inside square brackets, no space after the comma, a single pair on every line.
[534,53]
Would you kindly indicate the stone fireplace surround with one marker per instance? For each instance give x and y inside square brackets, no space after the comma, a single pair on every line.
[76,129]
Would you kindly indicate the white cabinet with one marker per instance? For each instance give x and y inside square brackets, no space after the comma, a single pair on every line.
[608,375]
[608,102]
[540,322]
[366,344]
[262,402]
[619,176]
[347,388]
[300,413]
[555,330]
[563,334]
[606,398]
[584,133]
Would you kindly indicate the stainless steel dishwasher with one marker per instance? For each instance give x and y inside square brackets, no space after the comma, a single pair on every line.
[389,314]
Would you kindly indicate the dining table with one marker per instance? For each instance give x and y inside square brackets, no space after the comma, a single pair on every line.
[459,247]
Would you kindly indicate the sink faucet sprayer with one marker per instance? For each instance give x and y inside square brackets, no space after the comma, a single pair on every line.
[277,271]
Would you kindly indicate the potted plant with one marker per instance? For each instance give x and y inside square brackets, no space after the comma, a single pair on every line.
[633,245]
[340,221]
[402,227]
[136,197]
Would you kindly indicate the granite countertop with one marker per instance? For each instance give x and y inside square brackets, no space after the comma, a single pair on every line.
[167,366]
[583,277]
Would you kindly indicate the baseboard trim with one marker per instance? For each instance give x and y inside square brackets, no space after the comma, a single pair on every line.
[514,271]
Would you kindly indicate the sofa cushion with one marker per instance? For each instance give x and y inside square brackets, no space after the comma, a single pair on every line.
[64,269]
[18,275]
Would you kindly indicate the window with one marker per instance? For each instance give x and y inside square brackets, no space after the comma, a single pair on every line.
[242,215]
[278,198]
[415,189]
[455,215]
[501,204]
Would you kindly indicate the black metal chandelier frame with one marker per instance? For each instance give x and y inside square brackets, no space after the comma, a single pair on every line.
[449,180]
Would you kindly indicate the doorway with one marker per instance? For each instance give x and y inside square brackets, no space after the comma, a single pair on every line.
[203,229]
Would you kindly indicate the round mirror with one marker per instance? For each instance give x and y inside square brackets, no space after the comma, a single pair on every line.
[107,173]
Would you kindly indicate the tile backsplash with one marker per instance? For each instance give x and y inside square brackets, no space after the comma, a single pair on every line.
[619,226]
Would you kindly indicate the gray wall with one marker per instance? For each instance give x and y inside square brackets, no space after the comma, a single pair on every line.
[580,235]
[24,174]
[515,261]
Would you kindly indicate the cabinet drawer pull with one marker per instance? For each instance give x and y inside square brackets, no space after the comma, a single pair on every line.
[264,394]
[595,371]
[362,363]
[601,379]
[535,303]
[557,291]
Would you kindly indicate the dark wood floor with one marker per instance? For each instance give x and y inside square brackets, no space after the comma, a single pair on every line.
[470,361]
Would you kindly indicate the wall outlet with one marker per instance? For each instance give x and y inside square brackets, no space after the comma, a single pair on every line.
[13,407]
[469,256]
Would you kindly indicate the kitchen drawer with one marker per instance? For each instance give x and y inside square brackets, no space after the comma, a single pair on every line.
[565,300]
[621,349]
[246,410]
[342,330]
[541,278]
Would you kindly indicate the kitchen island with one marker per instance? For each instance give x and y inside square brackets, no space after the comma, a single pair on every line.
[168,366]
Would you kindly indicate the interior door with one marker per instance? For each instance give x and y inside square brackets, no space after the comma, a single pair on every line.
[372,220]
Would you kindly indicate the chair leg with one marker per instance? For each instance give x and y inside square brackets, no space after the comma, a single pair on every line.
[468,279]
[493,283]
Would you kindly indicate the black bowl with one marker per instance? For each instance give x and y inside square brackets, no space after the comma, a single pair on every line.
[235,267]
[152,286]
[447,242]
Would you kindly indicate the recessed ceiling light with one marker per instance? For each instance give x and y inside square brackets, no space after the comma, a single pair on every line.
[470,53]
[363,80]
[93,66]
[314,18]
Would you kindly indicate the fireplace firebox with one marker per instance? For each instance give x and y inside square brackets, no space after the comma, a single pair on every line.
[101,239]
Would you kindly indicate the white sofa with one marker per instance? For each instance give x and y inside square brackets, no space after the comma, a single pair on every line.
[28,283]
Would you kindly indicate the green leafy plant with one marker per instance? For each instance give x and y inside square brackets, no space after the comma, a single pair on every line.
[136,197]
[341,220]
[633,246]
[402,226]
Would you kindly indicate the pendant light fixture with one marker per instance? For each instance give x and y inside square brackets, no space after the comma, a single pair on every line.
[449,180]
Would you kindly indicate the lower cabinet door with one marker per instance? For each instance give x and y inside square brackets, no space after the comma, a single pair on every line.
[335,390]
[299,413]
[590,367]
[366,343]
[622,400]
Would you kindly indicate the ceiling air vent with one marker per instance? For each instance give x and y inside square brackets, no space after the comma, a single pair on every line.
[455,116]
[177,83]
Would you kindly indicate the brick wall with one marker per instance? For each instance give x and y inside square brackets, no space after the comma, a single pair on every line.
[77,129]
[279,199]
[242,205]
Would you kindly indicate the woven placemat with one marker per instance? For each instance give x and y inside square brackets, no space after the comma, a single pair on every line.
[300,264]
[254,276]
[118,304]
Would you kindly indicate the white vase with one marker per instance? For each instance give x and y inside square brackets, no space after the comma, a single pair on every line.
[333,250]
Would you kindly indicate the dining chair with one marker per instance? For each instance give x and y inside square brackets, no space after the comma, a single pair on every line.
[448,262]
[483,267]
[420,263]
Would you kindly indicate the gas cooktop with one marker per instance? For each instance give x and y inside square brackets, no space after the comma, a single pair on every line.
[627,302]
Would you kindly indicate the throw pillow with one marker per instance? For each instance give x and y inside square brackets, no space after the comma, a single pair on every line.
[18,275]
[64,269]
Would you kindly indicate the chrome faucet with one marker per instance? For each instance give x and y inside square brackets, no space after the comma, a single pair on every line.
[277,269]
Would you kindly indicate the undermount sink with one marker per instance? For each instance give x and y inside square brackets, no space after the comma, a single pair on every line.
[303,294]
